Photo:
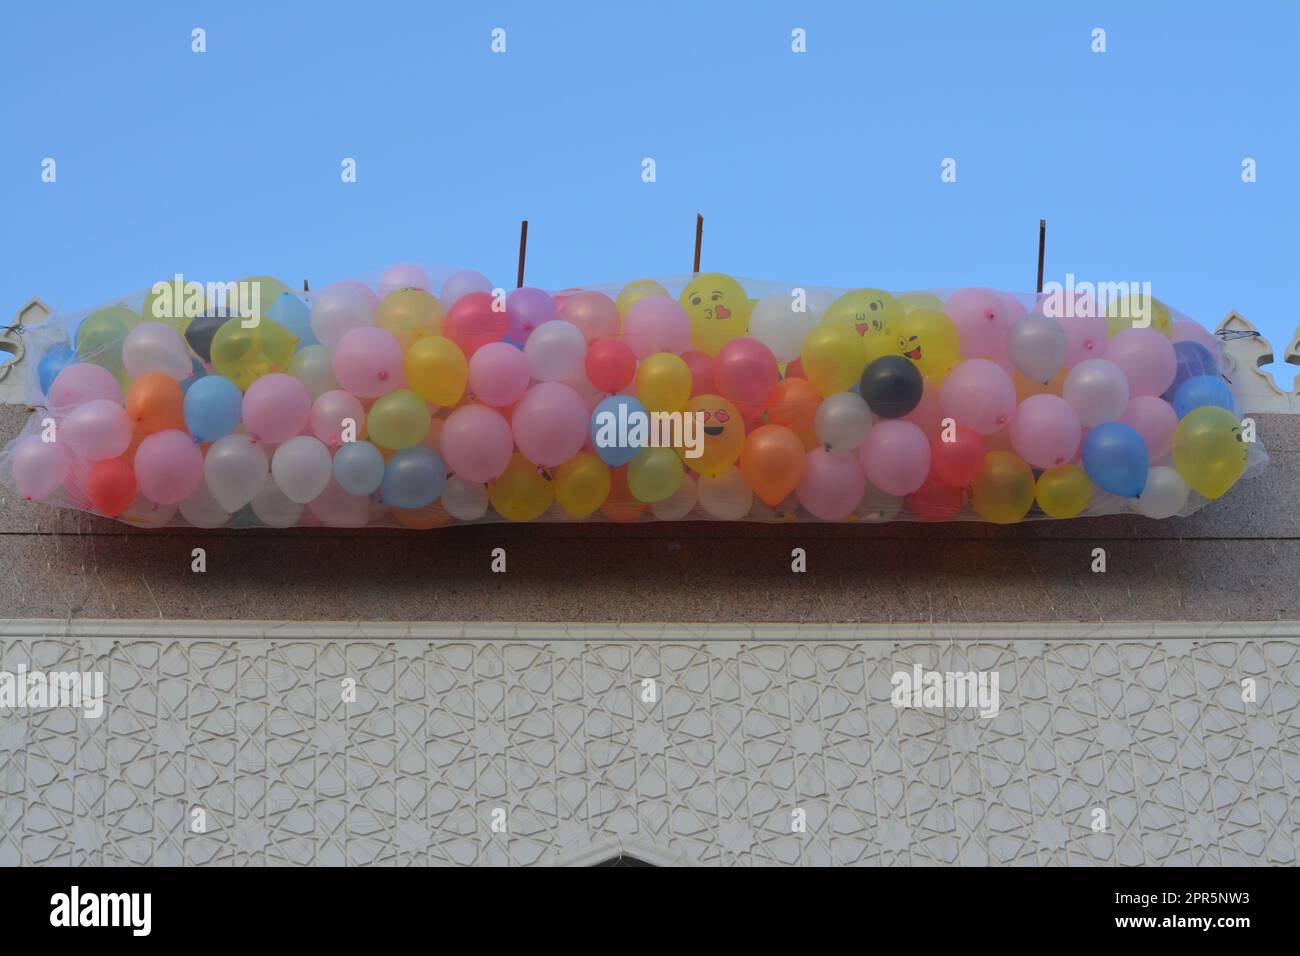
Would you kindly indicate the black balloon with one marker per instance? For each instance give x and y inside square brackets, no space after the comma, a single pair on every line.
[200,331]
[891,386]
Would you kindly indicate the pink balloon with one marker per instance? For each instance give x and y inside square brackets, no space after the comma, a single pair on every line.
[80,383]
[1085,338]
[336,508]
[1188,331]
[402,276]
[498,374]
[831,485]
[329,414]
[276,407]
[980,394]
[476,442]
[983,318]
[927,415]
[168,466]
[368,361]
[1155,420]
[1146,358]
[39,467]
[657,324]
[550,424]
[745,371]
[1046,431]
[96,430]
[895,457]
[593,312]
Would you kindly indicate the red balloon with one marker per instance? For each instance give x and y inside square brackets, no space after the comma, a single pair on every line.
[957,463]
[746,373]
[795,369]
[611,363]
[935,501]
[472,322]
[111,486]
[701,366]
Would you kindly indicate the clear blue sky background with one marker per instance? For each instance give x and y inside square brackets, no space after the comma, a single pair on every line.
[821,168]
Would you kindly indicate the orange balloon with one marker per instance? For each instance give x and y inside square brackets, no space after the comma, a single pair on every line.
[771,462]
[793,403]
[422,519]
[154,402]
[621,505]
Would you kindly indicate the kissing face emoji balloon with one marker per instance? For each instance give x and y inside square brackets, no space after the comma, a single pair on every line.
[874,315]
[929,340]
[724,435]
[718,309]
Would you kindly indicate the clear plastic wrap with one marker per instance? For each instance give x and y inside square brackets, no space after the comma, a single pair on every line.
[420,397]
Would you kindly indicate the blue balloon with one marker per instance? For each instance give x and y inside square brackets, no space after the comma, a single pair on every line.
[213,407]
[1193,359]
[1203,390]
[295,315]
[197,371]
[413,478]
[54,362]
[359,468]
[612,422]
[1116,459]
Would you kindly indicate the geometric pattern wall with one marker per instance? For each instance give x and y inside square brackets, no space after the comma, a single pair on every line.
[555,733]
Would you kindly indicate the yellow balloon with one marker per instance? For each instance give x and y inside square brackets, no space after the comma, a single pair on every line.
[718,309]
[663,382]
[1209,450]
[871,314]
[101,334]
[833,358]
[244,355]
[410,314]
[1063,492]
[266,288]
[582,485]
[163,304]
[929,339]
[1003,491]
[654,474]
[634,292]
[398,420]
[436,369]
[1122,313]
[521,493]
[724,435]
[911,301]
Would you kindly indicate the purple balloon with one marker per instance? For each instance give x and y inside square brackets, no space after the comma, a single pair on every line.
[526,309]
[460,284]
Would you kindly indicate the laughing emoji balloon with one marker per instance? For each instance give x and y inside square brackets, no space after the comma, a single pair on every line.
[872,314]
[718,309]
[724,435]
[930,341]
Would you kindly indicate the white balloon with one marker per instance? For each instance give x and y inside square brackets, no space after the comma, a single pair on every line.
[156,347]
[776,323]
[302,468]
[679,504]
[274,509]
[1037,345]
[1165,493]
[465,500]
[144,513]
[338,311]
[842,421]
[313,365]
[726,497]
[556,351]
[234,470]
[462,283]
[202,510]
[1097,390]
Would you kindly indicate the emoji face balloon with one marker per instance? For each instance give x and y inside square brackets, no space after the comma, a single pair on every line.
[723,438]
[874,315]
[718,309]
[929,340]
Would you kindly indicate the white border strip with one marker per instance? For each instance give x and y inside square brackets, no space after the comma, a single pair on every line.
[760,633]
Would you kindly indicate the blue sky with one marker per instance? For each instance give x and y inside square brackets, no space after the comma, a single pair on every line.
[818,168]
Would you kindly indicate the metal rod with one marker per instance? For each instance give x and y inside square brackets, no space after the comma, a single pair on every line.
[523,247]
[699,238]
[1042,245]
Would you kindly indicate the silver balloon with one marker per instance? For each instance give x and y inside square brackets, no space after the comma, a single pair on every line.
[842,421]
[1037,347]
[1165,493]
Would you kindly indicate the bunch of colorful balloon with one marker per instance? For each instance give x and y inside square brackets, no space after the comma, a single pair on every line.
[426,398]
